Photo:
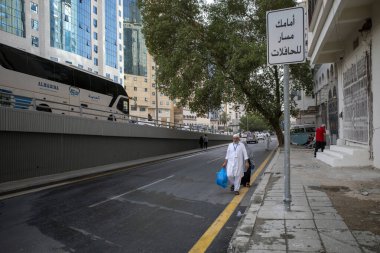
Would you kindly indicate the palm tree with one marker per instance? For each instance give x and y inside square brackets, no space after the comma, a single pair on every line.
[224,118]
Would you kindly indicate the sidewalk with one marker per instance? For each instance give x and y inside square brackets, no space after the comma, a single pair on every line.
[332,209]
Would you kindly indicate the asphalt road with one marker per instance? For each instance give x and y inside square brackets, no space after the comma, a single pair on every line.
[161,207]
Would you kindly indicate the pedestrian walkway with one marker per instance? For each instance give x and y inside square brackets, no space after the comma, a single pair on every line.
[321,200]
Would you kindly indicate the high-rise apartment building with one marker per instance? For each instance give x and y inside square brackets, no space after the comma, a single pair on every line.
[81,33]
[140,70]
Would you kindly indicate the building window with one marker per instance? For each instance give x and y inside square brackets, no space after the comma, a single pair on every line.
[34,7]
[121,70]
[35,41]
[167,103]
[153,85]
[80,66]
[95,48]
[145,99]
[142,109]
[133,108]
[119,13]
[95,36]
[12,17]
[95,61]
[153,102]
[70,26]
[146,89]
[135,88]
[95,10]
[115,79]
[153,93]
[120,58]
[108,75]
[160,102]
[34,24]
[145,80]
[95,23]
[110,26]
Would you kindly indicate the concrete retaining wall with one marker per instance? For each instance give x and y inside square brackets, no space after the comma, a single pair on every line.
[37,143]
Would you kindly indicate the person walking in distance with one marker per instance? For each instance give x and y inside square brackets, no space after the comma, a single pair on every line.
[320,142]
[201,141]
[205,141]
[236,159]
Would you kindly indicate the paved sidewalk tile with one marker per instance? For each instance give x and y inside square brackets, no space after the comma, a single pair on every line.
[330,224]
[339,241]
[291,225]
[268,235]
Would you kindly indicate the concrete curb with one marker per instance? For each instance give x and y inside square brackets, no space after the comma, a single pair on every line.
[9,188]
[240,239]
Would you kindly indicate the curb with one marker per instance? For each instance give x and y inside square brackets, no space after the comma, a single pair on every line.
[240,239]
[12,188]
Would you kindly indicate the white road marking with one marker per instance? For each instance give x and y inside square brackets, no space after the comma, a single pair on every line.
[161,207]
[92,236]
[214,160]
[184,157]
[140,188]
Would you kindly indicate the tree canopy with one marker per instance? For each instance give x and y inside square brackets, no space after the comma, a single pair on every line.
[209,54]
[253,122]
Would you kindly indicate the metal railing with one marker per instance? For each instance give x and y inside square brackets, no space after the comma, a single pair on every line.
[9,100]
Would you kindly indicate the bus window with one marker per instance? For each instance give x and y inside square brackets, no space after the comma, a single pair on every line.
[62,74]
[5,98]
[82,80]
[98,85]
[310,129]
[40,67]
[123,105]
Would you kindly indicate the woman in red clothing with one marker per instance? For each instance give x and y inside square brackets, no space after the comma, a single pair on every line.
[320,142]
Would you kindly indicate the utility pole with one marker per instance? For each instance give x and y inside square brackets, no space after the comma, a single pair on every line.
[155,75]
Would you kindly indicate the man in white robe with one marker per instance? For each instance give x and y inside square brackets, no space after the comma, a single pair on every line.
[235,160]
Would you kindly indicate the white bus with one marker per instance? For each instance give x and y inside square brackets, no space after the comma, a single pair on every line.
[31,82]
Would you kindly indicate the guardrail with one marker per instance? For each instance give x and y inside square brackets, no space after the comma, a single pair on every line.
[48,106]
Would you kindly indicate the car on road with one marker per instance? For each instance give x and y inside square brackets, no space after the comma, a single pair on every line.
[251,138]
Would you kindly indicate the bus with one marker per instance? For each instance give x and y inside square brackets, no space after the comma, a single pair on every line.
[31,82]
[299,134]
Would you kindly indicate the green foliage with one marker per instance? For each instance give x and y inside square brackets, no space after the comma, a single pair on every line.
[213,54]
[224,118]
[255,123]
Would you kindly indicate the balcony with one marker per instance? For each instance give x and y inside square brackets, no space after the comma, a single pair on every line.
[332,24]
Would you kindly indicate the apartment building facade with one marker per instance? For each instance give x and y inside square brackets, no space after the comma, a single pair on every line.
[345,34]
[140,71]
[82,34]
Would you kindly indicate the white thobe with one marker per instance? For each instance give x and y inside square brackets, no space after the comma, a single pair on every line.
[236,156]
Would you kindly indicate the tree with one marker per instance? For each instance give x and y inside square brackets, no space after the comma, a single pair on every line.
[213,54]
[255,123]
[224,118]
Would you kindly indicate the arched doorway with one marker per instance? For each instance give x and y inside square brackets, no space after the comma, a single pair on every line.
[333,115]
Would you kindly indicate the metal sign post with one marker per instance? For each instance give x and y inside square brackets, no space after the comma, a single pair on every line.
[285,45]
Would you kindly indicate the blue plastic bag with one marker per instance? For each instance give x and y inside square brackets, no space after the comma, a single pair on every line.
[221,178]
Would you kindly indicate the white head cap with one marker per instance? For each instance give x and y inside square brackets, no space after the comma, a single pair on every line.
[235,136]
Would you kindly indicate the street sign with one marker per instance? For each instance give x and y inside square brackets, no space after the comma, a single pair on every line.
[285,36]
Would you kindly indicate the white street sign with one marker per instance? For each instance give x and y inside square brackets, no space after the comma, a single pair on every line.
[285,36]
